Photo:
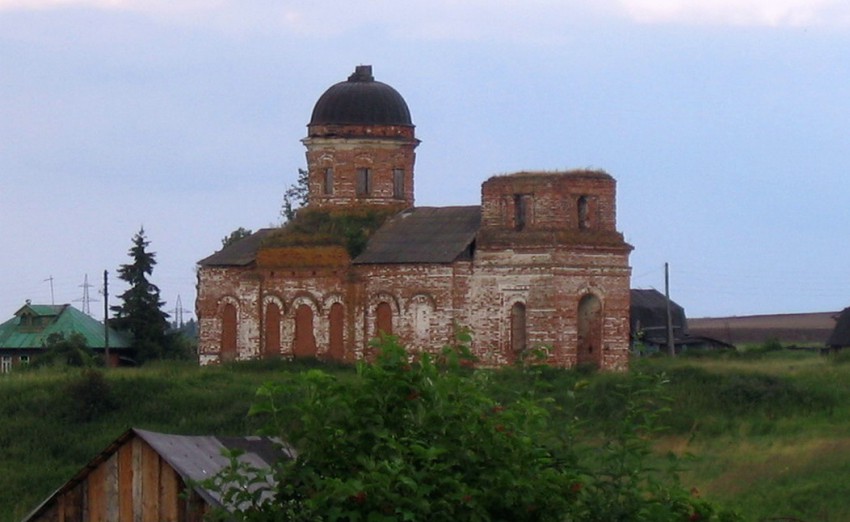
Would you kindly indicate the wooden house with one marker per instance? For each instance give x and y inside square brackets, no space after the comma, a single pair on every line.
[26,335]
[146,476]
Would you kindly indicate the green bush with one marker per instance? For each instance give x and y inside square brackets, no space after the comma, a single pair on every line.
[422,438]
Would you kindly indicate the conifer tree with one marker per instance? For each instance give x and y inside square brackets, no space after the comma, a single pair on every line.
[141,312]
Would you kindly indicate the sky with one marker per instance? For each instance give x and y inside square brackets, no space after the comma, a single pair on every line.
[725,122]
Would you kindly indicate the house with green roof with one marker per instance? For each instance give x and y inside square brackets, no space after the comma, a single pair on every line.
[25,335]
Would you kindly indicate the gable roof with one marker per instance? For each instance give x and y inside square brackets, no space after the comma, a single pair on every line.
[194,458]
[424,235]
[840,336]
[648,311]
[56,319]
[240,253]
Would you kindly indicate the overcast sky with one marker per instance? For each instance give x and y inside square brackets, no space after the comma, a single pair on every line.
[725,122]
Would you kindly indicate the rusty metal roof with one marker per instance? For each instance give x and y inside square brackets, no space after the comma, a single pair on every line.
[240,253]
[424,235]
[194,458]
[198,458]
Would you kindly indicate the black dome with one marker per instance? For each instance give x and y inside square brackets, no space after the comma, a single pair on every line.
[361,101]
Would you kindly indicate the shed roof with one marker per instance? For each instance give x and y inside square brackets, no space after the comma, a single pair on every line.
[240,253]
[194,458]
[424,235]
[46,320]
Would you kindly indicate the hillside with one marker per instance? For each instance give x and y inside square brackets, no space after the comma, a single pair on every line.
[768,430]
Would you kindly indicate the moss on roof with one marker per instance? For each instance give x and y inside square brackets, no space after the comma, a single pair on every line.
[348,227]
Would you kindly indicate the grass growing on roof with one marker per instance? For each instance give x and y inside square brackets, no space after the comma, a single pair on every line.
[349,228]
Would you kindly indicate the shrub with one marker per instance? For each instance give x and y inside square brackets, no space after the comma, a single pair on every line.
[89,396]
[421,438]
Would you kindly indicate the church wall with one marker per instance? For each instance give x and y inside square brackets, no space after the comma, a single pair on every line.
[422,300]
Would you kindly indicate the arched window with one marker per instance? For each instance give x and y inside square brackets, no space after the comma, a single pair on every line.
[520,211]
[518,329]
[336,318]
[589,331]
[421,321]
[272,327]
[398,183]
[328,182]
[583,213]
[304,344]
[363,182]
[228,332]
[383,319]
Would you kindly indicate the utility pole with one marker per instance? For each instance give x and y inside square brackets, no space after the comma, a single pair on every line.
[671,344]
[106,315]
[52,300]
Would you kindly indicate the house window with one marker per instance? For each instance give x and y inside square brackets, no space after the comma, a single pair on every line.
[25,360]
[328,182]
[398,183]
[6,364]
[520,211]
[364,182]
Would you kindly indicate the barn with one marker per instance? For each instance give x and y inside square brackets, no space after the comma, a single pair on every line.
[147,476]
[840,337]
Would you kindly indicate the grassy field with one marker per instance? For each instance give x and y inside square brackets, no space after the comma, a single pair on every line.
[767,431]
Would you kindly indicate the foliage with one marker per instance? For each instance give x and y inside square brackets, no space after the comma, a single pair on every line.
[295,196]
[89,396]
[73,351]
[349,228]
[236,235]
[790,464]
[141,312]
[419,438]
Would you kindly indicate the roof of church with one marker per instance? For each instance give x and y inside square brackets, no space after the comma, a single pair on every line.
[424,235]
[416,235]
[361,101]
[240,253]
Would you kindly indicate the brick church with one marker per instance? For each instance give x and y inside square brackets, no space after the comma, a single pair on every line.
[539,263]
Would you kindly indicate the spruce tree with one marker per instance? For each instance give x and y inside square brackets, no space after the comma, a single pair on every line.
[141,312]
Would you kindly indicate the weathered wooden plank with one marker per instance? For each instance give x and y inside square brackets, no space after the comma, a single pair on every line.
[169,493]
[96,494]
[110,487]
[125,483]
[137,479]
[150,484]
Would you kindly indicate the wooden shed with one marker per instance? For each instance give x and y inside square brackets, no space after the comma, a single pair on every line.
[143,476]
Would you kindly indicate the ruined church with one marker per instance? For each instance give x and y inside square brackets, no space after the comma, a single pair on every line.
[539,263]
